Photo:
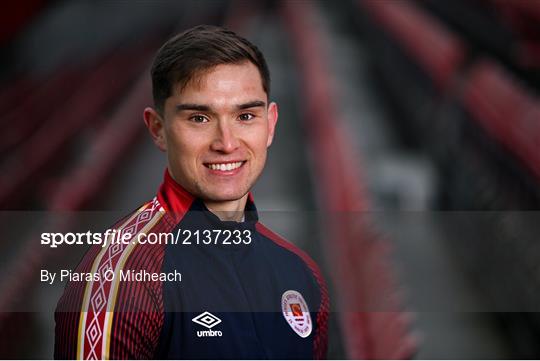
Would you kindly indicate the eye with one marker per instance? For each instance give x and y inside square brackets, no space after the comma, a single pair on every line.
[246,116]
[197,118]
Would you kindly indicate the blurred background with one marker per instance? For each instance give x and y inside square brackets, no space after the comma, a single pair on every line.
[406,160]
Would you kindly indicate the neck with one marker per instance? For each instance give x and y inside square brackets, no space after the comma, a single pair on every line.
[228,210]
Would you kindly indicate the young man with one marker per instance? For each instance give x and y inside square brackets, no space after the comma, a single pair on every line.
[228,287]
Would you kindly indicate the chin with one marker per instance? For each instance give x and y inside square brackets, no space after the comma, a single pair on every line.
[225,196]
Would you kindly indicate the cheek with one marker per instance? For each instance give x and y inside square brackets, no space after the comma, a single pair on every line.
[183,146]
[258,145]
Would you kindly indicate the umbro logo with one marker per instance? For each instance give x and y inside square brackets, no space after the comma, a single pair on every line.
[207,320]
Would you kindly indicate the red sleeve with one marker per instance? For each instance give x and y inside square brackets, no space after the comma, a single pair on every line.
[85,326]
[67,313]
[138,312]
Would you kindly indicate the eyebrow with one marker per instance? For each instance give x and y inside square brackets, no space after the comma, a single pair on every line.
[253,104]
[207,108]
[188,106]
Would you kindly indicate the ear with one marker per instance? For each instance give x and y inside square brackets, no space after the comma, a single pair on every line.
[156,128]
[272,121]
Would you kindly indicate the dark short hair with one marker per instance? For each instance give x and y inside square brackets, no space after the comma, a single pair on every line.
[196,50]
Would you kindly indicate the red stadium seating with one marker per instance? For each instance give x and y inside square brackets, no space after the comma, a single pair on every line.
[84,107]
[435,48]
[355,253]
[506,110]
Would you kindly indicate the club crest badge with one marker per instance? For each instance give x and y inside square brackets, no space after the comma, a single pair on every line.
[296,313]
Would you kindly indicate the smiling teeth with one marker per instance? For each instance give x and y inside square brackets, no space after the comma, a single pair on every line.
[225,166]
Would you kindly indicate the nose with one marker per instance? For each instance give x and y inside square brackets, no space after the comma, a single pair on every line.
[225,140]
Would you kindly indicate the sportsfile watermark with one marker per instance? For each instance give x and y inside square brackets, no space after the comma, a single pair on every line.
[431,256]
[180,237]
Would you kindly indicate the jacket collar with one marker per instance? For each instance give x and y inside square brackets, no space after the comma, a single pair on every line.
[177,201]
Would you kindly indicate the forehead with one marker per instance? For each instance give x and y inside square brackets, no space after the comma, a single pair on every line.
[221,82]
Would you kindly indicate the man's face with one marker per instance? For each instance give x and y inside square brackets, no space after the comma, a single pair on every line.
[216,132]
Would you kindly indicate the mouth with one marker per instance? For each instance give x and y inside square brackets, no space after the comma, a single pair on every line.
[225,166]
